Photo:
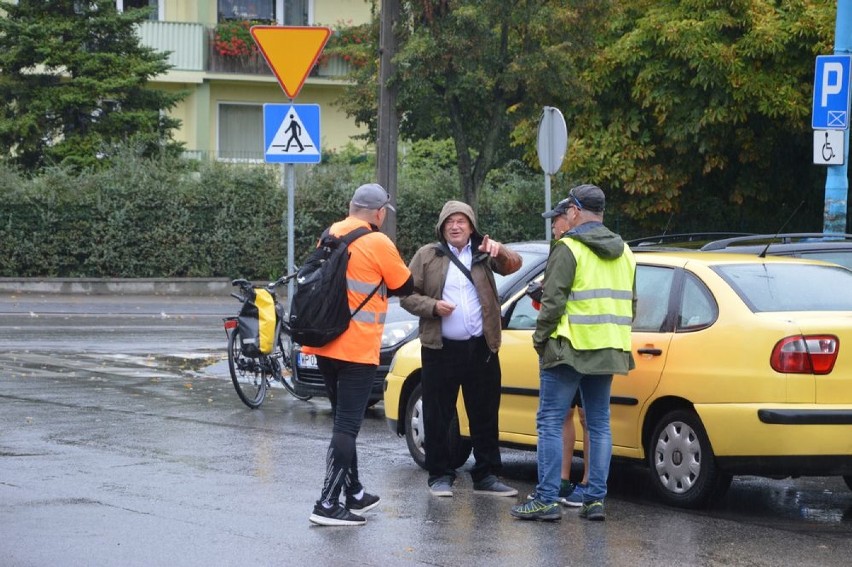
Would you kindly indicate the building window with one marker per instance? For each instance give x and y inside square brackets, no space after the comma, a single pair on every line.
[154,6]
[247,10]
[295,13]
[240,132]
[282,12]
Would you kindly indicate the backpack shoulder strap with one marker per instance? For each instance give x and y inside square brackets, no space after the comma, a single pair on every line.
[350,237]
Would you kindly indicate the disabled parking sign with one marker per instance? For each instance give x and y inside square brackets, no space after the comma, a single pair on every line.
[831,92]
[291,133]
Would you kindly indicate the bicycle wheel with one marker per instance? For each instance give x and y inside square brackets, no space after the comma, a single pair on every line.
[248,374]
[285,366]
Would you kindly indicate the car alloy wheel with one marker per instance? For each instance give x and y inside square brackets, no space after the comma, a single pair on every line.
[682,463]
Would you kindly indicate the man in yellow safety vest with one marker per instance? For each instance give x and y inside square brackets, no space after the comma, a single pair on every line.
[582,337]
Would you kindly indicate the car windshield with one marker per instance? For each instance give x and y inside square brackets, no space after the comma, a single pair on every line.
[531,259]
[790,287]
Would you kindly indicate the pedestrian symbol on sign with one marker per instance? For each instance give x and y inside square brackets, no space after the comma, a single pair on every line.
[295,131]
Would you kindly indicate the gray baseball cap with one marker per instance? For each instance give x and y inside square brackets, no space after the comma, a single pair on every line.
[372,196]
[588,197]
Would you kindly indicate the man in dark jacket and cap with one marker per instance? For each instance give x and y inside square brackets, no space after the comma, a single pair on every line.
[455,297]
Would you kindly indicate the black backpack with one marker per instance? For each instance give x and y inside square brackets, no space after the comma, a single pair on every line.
[319,311]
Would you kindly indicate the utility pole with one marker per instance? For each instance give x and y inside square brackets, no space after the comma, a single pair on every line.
[837,176]
[388,127]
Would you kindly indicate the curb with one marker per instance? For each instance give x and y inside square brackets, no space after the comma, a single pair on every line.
[117,286]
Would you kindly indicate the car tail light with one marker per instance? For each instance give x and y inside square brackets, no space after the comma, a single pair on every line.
[805,354]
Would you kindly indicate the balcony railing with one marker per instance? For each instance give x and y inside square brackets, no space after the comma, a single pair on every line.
[244,64]
[191,47]
[185,40]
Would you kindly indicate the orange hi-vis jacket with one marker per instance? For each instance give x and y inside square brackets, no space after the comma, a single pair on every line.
[373,260]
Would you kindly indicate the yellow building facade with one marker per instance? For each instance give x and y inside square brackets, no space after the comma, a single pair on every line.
[222,113]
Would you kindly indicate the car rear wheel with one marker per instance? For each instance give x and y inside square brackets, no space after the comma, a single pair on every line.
[415,435]
[682,463]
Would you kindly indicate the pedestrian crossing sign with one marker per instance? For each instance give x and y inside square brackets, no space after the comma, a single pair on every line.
[291,133]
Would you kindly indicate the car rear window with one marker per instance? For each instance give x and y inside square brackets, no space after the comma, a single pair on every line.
[842,257]
[790,287]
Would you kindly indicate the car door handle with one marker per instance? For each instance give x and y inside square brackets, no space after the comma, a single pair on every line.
[651,351]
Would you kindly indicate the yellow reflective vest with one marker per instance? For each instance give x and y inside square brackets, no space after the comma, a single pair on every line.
[599,310]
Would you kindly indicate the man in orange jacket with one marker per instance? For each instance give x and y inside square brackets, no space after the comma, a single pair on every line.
[348,363]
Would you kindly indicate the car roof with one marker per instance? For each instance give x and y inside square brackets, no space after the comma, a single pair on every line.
[787,241]
[835,248]
[683,257]
[680,256]
[530,245]
[688,240]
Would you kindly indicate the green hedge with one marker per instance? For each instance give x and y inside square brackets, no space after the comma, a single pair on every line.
[168,217]
[142,218]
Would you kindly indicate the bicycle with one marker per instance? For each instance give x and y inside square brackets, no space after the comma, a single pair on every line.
[253,375]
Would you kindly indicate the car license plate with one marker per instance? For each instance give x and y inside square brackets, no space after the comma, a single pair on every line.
[307,361]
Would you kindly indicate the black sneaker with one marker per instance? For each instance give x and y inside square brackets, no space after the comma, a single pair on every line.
[337,515]
[366,502]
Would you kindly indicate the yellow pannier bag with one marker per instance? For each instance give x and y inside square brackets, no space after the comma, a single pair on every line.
[257,322]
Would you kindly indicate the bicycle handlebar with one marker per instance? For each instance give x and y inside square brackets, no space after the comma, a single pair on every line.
[246,285]
[284,279]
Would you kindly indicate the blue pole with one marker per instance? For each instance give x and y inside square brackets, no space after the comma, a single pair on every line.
[837,179]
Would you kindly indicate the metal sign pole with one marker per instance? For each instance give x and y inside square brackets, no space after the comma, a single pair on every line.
[547,205]
[837,176]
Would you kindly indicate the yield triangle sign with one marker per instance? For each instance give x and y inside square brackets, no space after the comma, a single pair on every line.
[291,52]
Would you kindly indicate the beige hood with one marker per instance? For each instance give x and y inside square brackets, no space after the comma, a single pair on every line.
[451,208]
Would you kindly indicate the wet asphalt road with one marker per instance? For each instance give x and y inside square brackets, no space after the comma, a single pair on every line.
[122,442]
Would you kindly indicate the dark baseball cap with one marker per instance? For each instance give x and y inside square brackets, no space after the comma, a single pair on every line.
[584,197]
[372,196]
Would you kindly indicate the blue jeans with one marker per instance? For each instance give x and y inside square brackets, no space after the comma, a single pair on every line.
[558,386]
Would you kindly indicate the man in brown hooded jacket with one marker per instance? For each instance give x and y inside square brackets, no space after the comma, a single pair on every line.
[455,297]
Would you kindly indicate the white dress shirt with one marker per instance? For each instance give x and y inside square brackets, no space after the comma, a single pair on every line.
[466,319]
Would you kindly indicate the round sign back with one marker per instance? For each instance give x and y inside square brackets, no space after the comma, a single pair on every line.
[552,140]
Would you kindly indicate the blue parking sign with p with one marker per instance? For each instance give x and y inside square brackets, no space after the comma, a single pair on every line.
[831,92]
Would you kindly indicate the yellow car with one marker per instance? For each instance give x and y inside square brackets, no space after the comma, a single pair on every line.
[739,370]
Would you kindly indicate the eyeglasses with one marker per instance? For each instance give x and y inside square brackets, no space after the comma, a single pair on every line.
[576,202]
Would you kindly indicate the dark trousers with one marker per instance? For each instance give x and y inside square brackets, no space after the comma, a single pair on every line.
[473,367]
[348,385]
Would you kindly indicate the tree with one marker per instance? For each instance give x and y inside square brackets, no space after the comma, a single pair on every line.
[469,70]
[701,105]
[73,81]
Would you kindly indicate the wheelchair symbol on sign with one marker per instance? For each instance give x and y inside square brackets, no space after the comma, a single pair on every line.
[827,150]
